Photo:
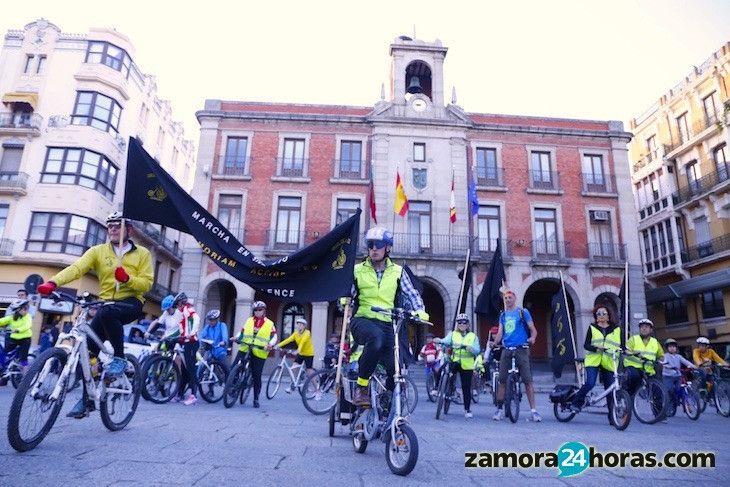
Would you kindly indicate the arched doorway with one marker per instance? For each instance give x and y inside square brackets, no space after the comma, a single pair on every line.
[221,294]
[435,307]
[610,300]
[537,300]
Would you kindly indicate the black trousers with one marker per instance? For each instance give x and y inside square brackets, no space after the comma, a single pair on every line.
[378,341]
[109,321]
[189,375]
[466,379]
[22,344]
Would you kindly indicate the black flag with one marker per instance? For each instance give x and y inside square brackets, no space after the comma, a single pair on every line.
[467,286]
[323,271]
[563,352]
[489,302]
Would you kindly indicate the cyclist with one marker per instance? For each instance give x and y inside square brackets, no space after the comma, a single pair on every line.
[602,337]
[331,351]
[672,363]
[378,282]
[216,331]
[170,320]
[124,270]
[646,346]
[305,350]
[703,357]
[431,355]
[189,324]
[20,324]
[517,329]
[260,331]
[462,359]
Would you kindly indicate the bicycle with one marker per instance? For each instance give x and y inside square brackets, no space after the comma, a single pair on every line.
[685,395]
[651,398]
[617,399]
[447,390]
[432,369]
[275,379]
[513,388]
[240,379]
[715,389]
[385,419]
[10,368]
[43,389]
[162,375]
[211,373]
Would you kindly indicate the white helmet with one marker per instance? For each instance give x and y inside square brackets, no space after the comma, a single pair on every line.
[379,234]
[301,320]
[646,321]
[462,317]
[114,217]
[703,341]
[258,305]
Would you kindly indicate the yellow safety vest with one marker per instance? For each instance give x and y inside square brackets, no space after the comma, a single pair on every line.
[647,350]
[463,355]
[612,341]
[260,339]
[21,328]
[370,292]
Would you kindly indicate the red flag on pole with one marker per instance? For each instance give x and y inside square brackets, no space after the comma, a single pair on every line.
[452,208]
[372,203]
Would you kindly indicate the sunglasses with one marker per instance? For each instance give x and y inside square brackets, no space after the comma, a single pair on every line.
[259,309]
[114,226]
[462,322]
[601,313]
[375,244]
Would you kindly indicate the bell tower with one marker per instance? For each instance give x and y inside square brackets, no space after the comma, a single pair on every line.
[417,69]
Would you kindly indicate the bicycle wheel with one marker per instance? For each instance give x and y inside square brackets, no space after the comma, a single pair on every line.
[18,374]
[672,406]
[649,402]
[431,387]
[722,398]
[401,452]
[212,381]
[409,394]
[233,386]
[620,409]
[318,394]
[563,412]
[118,408]
[331,422]
[161,380]
[475,379]
[246,385]
[512,398]
[450,393]
[691,404]
[33,412]
[272,385]
[441,397]
[359,443]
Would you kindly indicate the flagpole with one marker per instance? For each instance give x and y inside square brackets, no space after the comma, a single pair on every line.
[463,282]
[627,318]
[341,354]
[570,327]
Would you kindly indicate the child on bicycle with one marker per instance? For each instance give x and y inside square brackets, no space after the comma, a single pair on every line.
[189,326]
[466,347]
[431,355]
[305,349]
[331,352]
[672,363]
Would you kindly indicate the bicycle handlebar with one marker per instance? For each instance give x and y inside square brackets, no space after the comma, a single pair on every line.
[400,313]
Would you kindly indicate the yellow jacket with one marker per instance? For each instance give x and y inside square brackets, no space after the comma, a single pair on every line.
[304,342]
[709,355]
[20,328]
[103,260]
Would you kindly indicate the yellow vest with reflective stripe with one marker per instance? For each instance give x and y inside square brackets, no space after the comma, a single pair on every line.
[355,352]
[463,355]
[370,292]
[647,350]
[260,339]
[612,341]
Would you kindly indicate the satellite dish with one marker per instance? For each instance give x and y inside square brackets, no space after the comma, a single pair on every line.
[32,282]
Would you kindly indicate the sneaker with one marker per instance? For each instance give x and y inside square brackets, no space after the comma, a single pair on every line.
[256,403]
[116,367]
[536,417]
[361,396]
[498,415]
[434,392]
[79,411]
[190,400]
[177,399]
[468,414]
[289,389]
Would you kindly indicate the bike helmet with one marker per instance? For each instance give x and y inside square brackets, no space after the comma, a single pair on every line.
[670,341]
[181,296]
[114,217]
[379,234]
[17,304]
[462,317]
[258,305]
[646,321]
[213,314]
[301,320]
[703,341]
[167,302]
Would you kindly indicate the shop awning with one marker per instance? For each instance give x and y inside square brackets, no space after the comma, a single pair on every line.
[21,97]
[690,287]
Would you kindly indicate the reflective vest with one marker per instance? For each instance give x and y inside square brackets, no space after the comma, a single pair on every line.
[259,340]
[463,355]
[355,352]
[612,341]
[370,292]
[21,328]
[647,350]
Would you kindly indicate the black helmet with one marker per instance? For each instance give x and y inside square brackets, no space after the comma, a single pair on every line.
[181,296]
[670,341]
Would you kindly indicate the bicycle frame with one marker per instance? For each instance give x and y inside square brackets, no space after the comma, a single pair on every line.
[297,381]
[593,400]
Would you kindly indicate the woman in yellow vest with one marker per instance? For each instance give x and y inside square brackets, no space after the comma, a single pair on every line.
[602,337]
[259,334]
[466,347]
[646,346]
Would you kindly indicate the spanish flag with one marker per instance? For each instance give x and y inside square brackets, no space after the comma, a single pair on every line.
[401,201]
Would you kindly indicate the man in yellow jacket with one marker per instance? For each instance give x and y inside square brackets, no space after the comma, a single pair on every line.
[125,275]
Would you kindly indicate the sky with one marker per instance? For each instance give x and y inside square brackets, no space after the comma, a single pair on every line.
[607,60]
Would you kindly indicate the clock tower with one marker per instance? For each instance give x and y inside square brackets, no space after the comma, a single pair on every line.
[417,74]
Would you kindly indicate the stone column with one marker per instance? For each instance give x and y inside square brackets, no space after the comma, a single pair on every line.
[319,329]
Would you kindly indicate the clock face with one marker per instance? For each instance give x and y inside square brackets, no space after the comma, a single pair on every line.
[419,105]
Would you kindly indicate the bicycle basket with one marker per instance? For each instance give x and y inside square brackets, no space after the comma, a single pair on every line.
[562,393]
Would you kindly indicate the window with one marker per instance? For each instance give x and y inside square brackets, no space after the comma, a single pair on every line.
[693,176]
[293,160]
[345,209]
[487,174]
[419,226]
[721,162]
[593,173]
[488,228]
[708,105]
[97,110]
[288,219]
[171,279]
[675,311]
[601,245]
[680,234]
[350,159]
[80,166]
[288,318]
[4,209]
[682,128]
[647,247]
[654,242]
[654,186]
[419,152]
[10,162]
[28,63]
[702,230]
[63,233]
[235,159]
[229,213]
[541,176]
[109,55]
[546,232]
[157,270]
[712,304]
[670,239]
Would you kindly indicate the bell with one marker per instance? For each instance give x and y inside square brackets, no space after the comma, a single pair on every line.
[414,86]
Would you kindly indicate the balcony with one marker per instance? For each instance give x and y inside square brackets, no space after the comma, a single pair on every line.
[234,167]
[486,246]
[350,170]
[158,292]
[646,160]
[698,128]
[543,181]
[706,249]
[599,184]
[20,123]
[6,247]
[600,254]
[153,235]
[701,186]
[288,167]
[14,183]
[490,177]
[654,207]
[549,252]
